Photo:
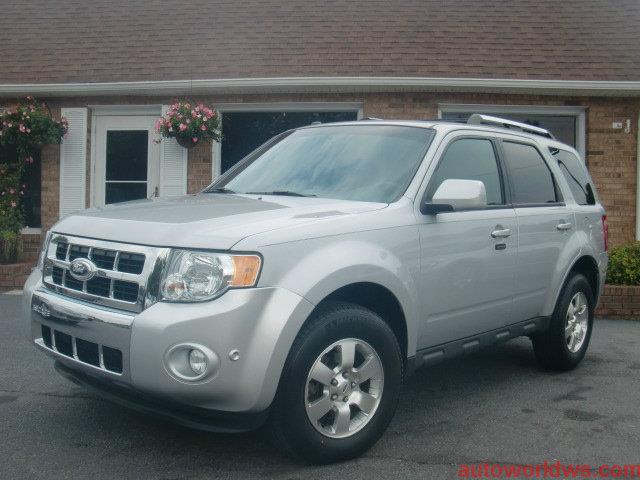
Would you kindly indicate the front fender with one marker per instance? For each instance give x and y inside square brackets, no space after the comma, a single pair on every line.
[318,267]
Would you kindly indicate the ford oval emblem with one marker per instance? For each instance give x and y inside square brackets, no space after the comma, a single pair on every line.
[82,269]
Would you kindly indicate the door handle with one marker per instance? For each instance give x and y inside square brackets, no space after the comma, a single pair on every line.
[564,226]
[500,232]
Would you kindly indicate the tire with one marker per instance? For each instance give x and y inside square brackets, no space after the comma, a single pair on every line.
[323,439]
[553,348]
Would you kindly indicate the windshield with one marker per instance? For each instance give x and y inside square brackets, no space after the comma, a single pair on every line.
[371,163]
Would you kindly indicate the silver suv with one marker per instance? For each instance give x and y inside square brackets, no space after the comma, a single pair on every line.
[306,283]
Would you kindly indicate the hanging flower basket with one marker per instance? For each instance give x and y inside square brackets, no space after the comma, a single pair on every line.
[187,142]
[190,124]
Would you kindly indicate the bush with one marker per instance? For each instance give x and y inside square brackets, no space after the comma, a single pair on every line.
[624,265]
[10,246]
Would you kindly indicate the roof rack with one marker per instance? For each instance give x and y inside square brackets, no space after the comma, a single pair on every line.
[479,119]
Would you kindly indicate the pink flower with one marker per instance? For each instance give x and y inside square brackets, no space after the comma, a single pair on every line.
[14,204]
[203,127]
[157,125]
[182,127]
[195,140]
[12,191]
[22,128]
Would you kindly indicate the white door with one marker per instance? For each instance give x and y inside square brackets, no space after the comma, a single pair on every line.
[127,163]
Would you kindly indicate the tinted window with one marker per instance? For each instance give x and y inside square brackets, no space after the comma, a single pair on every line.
[576,176]
[531,179]
[563,127]
[242,132]
[372,163]
[470,159]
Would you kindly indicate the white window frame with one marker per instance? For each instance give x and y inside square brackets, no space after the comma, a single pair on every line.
[216,147]
[578,112]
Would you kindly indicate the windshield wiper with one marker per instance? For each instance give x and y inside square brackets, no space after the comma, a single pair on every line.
[220,190]
[280,192]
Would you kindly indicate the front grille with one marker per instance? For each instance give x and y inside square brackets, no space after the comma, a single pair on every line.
[100,356]
[122,271]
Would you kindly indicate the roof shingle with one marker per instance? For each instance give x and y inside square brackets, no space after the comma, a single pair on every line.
[65,41]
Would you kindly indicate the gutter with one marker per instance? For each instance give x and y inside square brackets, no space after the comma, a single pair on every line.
[327,84]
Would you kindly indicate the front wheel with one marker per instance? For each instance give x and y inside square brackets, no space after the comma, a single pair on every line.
[565,343]
[340,385]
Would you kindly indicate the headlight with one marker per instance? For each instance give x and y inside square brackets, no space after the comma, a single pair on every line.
[194,276]
[43,249]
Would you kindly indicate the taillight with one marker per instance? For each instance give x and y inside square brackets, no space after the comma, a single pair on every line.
[605,232]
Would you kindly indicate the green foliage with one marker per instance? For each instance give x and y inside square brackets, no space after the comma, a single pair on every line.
[10,246]
[23,131]
[189,124]
[624,265]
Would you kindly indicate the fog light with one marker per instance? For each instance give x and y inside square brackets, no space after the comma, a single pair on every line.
[197,361]
[191,362]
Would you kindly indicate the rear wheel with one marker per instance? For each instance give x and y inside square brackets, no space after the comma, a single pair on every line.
[565,343]
[340,385]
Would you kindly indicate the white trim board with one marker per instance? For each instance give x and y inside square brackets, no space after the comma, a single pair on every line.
[576,111]
[329,84]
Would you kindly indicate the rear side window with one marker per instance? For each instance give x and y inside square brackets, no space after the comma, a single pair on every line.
[531,179]
[470,159]
[576,176]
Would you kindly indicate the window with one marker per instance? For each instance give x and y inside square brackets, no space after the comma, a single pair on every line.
[470,159]
[576,176]
[531,179]
[357,162]
[242,132]
[566,127]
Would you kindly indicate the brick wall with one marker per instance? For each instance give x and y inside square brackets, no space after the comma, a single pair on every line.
[199,167]
[619,301]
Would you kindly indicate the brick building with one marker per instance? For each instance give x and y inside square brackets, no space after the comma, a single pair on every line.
[268,65]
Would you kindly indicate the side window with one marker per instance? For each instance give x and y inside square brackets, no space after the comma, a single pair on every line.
[576,176]
[531,179]
[470,159]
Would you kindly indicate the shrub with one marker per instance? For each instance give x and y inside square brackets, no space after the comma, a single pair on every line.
[624,264]
[10,246]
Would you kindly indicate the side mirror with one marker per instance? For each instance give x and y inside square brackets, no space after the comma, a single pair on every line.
[454,194]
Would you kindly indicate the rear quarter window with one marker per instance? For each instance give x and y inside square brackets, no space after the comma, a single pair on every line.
[531,179]
[575,173]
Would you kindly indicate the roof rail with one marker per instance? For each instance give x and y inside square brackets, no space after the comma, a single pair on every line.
[370,118]
[480,119]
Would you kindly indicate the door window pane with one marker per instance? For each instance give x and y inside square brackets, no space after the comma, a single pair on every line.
[243,132]
[531,179]
[563,127]
[126,165]
[576,176]
[127,152]
[470,159]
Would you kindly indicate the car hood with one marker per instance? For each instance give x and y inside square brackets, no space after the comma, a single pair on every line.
[206,220]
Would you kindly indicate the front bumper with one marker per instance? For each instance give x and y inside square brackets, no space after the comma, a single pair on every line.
[260,323]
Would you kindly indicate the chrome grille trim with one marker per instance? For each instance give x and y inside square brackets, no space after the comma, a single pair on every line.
[146,292]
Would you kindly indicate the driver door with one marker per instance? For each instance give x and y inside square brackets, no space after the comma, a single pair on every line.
[468,258]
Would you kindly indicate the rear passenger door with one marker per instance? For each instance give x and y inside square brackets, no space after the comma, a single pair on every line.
[544,224]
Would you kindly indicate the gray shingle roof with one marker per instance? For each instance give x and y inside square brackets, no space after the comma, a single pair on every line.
[55,41]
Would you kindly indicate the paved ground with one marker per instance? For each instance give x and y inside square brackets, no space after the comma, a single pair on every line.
[495,406]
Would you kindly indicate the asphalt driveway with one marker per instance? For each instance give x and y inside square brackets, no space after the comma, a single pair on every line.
[495,406]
